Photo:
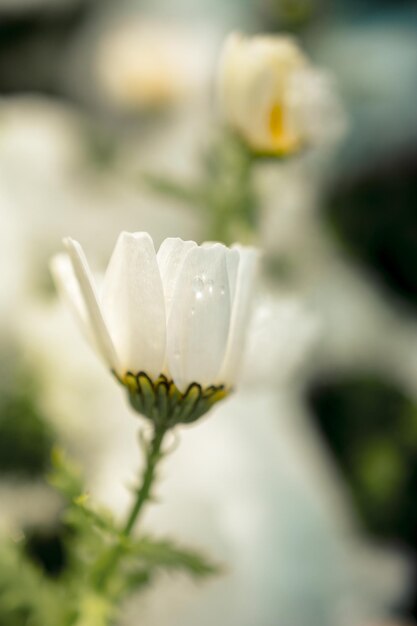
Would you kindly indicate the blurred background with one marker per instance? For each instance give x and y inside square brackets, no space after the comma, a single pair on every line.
[304,483]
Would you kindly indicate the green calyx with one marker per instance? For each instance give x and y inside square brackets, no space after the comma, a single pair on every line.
[164,404]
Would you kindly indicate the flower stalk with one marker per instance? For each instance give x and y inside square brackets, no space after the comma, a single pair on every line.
[154,455]
[143,495]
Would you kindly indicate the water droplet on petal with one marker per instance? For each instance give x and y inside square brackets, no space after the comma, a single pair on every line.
[210,286]
[222,291]
[198,287]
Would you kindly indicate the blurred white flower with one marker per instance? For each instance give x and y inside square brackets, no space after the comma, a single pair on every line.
[144,64]
[49,186]
[180,314]
[281,335]
[314,108]
[271,95]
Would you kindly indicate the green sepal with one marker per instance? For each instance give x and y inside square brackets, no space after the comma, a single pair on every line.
[136,402]
[164,404]
[162,399]
[189,402]
[204,402]
[147,390]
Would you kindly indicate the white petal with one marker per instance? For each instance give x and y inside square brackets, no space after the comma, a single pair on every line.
[170,257]
[91,306]
[233,260]
[68,287]
[198,325]
[314,106]
[133,304]
[244,282]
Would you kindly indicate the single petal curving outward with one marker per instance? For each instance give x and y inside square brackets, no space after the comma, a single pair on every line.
[68,286]
[93,311]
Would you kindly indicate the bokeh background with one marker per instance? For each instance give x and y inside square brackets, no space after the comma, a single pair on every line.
[305,482]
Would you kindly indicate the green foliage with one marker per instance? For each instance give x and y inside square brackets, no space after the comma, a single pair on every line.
[145,558]
[46,546]
[29,597]
[373,214]
[288,15]
[172,188]
[165,554]
[26,596]
[25,437]
[100,542]
[224,191]
[371,426]
[32,595]
[65,475]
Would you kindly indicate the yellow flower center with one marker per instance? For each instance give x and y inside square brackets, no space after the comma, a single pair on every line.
[284,141]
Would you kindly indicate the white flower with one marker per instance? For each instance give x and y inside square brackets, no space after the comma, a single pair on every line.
[167,324]
[271,95]
[295,330]
[141,63]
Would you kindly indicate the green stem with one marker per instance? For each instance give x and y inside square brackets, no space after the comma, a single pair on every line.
[154,454]
[143,496]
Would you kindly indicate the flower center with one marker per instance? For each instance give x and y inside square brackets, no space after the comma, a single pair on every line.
[284,141]
[162,402]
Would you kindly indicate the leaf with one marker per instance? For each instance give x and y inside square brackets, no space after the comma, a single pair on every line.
[164,554]
[26,596]
[135,580]
[65,476]
[100,518]
[187,194]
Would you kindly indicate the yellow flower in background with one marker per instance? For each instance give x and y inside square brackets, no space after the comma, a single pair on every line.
[273,98]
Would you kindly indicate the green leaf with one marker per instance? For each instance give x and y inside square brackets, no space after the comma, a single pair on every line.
[100,518]
[26,596]
[65,476]
[165,554]
[186,193]
[135,580]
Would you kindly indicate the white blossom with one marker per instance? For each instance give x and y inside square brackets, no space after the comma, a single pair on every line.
[143,63]
[181,313]
[272,96]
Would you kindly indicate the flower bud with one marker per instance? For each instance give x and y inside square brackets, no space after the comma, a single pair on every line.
[273,98]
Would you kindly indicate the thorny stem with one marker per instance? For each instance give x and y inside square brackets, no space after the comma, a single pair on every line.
[143,495]
[153,456]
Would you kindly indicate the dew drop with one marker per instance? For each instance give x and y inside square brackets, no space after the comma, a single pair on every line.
[193,311]
[198,287]
[210,286]
[222,291]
